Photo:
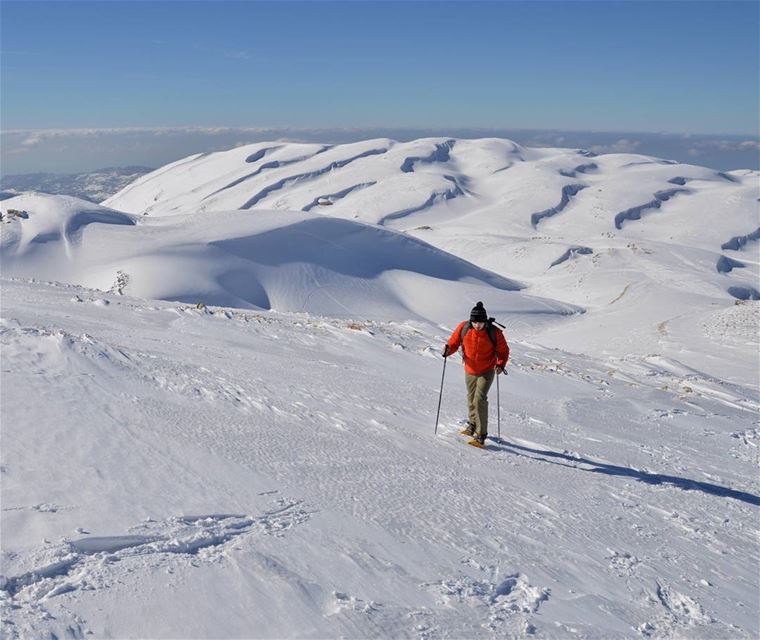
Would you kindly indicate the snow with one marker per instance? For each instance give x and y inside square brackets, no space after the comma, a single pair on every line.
[479,199]
[292,261]
[219,422]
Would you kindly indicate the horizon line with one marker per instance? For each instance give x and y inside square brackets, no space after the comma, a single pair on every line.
[262,129]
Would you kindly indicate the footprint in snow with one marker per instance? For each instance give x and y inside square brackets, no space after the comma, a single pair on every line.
[508,603]
[677,612]
[87,563]
[623,563]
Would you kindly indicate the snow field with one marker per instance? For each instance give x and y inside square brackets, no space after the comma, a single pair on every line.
[218,398]
[288,462]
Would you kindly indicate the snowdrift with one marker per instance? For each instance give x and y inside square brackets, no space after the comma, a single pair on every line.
[291,261]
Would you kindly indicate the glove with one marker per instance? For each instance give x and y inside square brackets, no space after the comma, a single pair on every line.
[446,350]
[500,370]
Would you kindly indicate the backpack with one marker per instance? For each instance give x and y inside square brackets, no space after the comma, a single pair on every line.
[490,330]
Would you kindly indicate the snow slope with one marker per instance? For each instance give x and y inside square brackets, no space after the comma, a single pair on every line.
[175,472]
[265,464]
[292,261]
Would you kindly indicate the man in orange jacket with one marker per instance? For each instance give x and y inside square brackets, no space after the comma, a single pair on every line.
[485,353]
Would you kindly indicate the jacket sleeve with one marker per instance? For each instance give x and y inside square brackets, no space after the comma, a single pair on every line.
[502,349]
[455,340]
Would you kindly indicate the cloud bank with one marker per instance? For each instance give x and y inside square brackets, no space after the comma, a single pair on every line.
[79,150]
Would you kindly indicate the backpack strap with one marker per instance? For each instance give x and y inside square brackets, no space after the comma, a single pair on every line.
[491,330]
[465,328]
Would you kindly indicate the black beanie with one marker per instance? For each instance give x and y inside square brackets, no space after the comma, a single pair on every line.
[478,313]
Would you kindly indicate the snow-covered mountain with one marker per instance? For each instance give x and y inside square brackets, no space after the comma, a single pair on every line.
[94,186]
[652,249]
[219,393]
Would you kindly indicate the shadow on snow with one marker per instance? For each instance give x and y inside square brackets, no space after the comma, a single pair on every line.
[613,470]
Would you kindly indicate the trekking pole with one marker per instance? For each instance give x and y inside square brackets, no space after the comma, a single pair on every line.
[440,395]
[498,401]
[498,406]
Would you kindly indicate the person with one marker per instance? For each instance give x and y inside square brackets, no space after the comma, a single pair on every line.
[485,353]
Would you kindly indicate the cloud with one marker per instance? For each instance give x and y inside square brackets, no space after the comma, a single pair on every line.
[237,55]
[623,145]
[31,141]
[729,146]
[87,149]
[230,54]
[544,139]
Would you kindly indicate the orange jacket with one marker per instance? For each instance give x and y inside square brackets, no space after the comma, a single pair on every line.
[478,351]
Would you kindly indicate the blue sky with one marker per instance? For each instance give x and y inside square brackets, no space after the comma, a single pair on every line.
[616,66]
[117,83]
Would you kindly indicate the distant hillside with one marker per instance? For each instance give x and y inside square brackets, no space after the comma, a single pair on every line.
[643,244]
[554,218]
[94,186]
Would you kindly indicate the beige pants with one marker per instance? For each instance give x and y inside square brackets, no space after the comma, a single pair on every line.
[477,399]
